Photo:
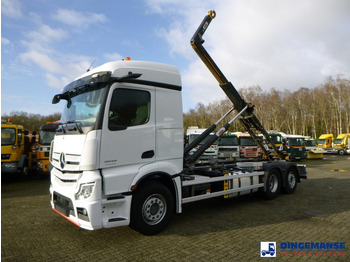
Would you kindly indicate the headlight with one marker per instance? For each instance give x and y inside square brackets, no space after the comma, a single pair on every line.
[85,191]
[10,165]
[40,165]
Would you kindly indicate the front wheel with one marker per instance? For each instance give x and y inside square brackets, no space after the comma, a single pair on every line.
[272,184]
[151,209]
[341,152]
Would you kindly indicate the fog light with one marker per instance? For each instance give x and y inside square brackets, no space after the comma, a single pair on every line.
[85,191]
[82,214]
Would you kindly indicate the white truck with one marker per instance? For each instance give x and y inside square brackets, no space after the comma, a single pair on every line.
[194,132]
[118,156]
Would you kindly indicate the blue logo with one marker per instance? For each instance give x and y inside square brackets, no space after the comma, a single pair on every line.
[267,249]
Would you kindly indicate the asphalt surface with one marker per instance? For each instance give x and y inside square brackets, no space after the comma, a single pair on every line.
[211,230]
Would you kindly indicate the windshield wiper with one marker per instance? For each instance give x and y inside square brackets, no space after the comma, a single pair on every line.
[77,124]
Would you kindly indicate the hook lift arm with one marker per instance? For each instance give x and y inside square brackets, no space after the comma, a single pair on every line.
[248,119]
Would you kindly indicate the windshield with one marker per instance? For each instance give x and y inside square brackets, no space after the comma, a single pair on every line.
[228,141]
[84,97]
[85,106]
[321,141]
[295,142]
[46,137]
[247,141]
[337,141]
[277,139]
[8,136]
[310,142]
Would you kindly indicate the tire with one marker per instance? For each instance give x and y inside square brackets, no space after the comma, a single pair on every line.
[151,209]
[292,181]
[23,173]
[341,152]
[273,184]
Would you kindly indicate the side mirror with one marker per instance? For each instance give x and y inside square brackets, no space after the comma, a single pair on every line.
[56,99]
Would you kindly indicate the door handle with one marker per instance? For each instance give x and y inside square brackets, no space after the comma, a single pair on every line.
[148,154]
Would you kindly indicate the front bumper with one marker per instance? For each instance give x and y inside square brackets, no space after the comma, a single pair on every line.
[9,168]
[93,212]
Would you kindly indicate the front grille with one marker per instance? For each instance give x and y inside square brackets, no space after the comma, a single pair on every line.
[63,204]
[5,156]
[251,152]
[71,161]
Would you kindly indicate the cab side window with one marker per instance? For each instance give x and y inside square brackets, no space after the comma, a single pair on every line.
[128,108]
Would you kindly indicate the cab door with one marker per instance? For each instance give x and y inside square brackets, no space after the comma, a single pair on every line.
[128,133]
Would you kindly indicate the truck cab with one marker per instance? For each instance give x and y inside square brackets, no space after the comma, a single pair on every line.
[294,146]
[192,133]
[228,146]
[248,148]
[277,139]
[310,143]
[341,144]
[325,141]
[13,152]
[122,122]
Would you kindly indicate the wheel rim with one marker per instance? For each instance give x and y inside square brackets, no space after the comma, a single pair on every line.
[291,180]
[273,183]
[154,209]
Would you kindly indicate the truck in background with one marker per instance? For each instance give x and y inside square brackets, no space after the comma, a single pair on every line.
[228,147]
[118,157]
[46,135]
[277,139]
[310,143]
[294,147]
[341,144]
[194,132]
[325,141]
[248,148]
[17,157]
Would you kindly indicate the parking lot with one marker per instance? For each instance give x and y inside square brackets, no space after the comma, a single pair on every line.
[211,230]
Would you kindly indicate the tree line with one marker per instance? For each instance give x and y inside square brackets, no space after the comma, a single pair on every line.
[307,112]
[31,122]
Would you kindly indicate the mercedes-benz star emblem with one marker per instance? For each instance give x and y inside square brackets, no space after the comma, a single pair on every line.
[62,160]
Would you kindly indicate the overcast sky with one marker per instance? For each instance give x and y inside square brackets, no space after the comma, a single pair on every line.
[282,44]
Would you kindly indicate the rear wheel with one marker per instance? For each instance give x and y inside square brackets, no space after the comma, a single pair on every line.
[292,179]
[151,209]
[272,184]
